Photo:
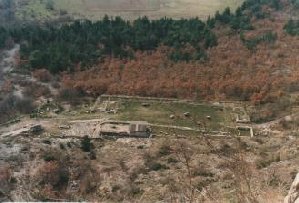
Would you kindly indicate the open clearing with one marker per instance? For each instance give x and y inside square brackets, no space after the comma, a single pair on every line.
[164,117]
[128,9]
[159,113]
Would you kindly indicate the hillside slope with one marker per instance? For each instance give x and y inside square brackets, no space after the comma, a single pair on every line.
[128,9]
[234,70]
[52,146]
[250,55]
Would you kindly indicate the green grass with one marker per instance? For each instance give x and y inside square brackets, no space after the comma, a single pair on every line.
[159,113]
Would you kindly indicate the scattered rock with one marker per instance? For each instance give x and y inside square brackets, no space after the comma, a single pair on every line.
[140,147]
[112,111]
[36,129]
[64,127]
[216,104]
[288,118]
[187,114]
[56,111]
[73,186]
[25,149]
[208,117]
[172,116]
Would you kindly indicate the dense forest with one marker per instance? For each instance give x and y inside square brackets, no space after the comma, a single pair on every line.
[85,43]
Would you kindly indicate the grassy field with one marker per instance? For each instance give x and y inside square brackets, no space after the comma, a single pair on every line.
[166,118]
[160,112]
[129,9]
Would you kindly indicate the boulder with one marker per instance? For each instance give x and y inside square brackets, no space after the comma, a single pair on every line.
[293,195]
[187,114]
[172,116]
[64,127]
[36,129]
[57,111]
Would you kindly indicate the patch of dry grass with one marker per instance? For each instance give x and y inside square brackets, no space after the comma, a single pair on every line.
[154,9]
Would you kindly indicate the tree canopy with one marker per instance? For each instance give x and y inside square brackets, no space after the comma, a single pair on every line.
[83,43]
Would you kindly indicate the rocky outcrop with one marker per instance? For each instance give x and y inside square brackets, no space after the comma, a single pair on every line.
[293,195]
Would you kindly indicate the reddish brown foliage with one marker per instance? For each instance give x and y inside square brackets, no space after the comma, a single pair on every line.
[233,72]
[35,90]
[7,86]
[5,174]
[42,75]
[49,173]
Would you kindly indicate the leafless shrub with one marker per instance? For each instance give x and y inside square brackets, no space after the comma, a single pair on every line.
[89,182]
[267,161]
[70,95]
[24,105]
[224,150]
[42,75]
[52,179]
[201,169]
[35,90]
[134,190]
[54,174]
[185,152]
[133,174]
[243,176]
[12,105]
[6,107]
[164,149]
[55,84]
[271,110]
[126,192]
[5,178]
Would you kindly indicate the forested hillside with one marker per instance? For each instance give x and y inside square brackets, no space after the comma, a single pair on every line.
[150,110]
[85,42]
[166,57]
